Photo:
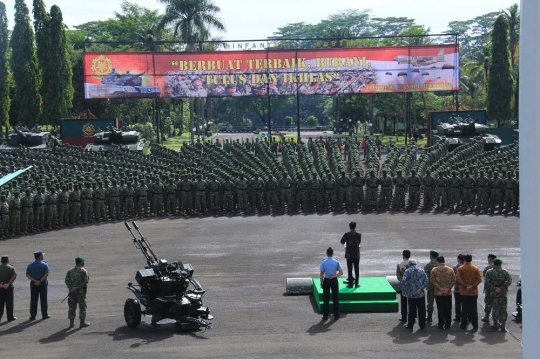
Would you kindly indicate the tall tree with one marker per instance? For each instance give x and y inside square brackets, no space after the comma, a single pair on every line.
[24,66]
[4,74]
[512,17]
[57,74]
[500,92]
[192,20]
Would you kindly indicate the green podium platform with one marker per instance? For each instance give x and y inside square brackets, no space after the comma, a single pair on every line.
[374,295]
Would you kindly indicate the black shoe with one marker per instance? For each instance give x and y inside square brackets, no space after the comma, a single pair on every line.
[357,285]
[32,318]
[402,319]
[440,326]
[336,317]
[12,319]
[324,318]
[409,327]
[424,327]
[457,319]
[350,286]
[46,317]
[429,319]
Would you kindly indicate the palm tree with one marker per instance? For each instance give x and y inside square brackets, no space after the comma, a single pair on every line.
[512,17]
[477,65]
[191,20]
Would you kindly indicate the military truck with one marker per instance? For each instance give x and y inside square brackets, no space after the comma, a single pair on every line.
[105,140]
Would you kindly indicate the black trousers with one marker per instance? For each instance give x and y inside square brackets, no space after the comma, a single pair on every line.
[6,299]
[330,285]
[350,264]
[469,311]
[457,305]
[404,305]
[38,292]
[417,307]
[444,309]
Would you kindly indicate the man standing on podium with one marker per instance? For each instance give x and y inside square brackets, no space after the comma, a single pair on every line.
[351,240]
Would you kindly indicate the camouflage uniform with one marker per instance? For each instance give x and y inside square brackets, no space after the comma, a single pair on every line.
[170,203]
[129,200]
[440,191]
[75,206]
[50,209]
[187,196]
[4,214]
[497,185]
[510,193]
[142,199]
[372,184]
[285,191]
[86,207]
[344,185]
[114,194]
[400,186]
[429,187]
[488,301]
[63,207]
[482,199]
[500,280]
[301,193]
[157,197]
[414,191]
[454,183]
[77,281]
[468,184]
[315,192]
[213,196]
[200,195]
[241,188]
[228,196]
[329,192]
[27,204]
[271,194]
[430,292]
[385,197]
[15,213]
[39,210]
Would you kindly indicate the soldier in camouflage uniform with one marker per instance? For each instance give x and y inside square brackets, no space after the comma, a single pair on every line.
[86,204]
[213,195]
[271,194]
[77,282]
[497,185]
[39,209]
[15,213]
[241,193]
[510,192]
[27,205]
[315,187]
[430,293]
[114,209]
[285,192]
[400,187]
[200,195]
[63,207]
[372,184]
[98,213]
[385,197]
[488,300]
[500,280]
[301,188]
[142,199]
[170,204]
[454,184]
[440,191]
[429,189]
[344,185]
[414,191]
[329,192]
[75,205]
[228,196]
[129,200]
[468,183]
[4,217]
[50,209]
[187,195]
[157,197]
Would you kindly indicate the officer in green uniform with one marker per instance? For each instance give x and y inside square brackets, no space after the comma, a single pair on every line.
[497,185]
[187,195]
[86,204]
[315,187]
[228,196]
[430,294]
[385,197]
[39,209]
[440,191]
[77,282]
[15,213]
[213,195]
[400,184]
[329,192]
[468,184]
[200,195]
[241,193]
[170,205]
[129,200]
[63,207]
[157,197]
[271,194]
[488,300]
[50,208]
[301,187]
[142,199]
[454,184]
[429,189]
[285,191]
[414,190]
[27,204]
[4,214]
[372,184]
[114,209]
[75,205]
[510,192]
[499,280]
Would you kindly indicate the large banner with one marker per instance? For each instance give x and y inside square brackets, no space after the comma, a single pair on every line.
[272,72]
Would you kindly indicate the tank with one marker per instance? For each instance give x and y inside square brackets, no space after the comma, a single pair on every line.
[32,139]
[115,85]
[105,140]
[459,131]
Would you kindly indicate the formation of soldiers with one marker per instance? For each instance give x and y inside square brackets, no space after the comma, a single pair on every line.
[69,187]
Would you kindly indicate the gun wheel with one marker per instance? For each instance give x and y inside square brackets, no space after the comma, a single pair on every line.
[132,312]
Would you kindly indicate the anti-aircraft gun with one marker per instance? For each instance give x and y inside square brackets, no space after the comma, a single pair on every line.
[166,291]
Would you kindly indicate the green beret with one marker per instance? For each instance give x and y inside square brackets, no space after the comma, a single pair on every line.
[498,261]
[492,256]
[80,259]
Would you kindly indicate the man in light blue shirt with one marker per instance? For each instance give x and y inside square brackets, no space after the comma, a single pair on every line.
[37,272]
[330,271]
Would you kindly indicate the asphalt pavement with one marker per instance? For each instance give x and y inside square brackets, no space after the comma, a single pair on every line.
[243,263]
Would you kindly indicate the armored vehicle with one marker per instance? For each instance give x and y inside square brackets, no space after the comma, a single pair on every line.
[105,140]
[165,291]
[115,85]
[34,139]
[459,131]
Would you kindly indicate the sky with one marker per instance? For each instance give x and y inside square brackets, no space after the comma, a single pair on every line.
[259,19]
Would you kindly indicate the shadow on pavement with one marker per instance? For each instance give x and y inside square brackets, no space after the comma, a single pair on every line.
[21,326]
[321,327]
[58,336]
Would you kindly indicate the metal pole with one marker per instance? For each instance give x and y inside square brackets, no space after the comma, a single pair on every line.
[529,154]
[297,100]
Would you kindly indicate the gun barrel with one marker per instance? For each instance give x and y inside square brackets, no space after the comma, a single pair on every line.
[140,244]
[144,242]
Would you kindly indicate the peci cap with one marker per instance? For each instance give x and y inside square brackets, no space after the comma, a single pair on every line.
[80,259]
[38,253]
[4,259]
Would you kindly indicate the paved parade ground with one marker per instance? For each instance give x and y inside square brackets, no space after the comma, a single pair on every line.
[243,263]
